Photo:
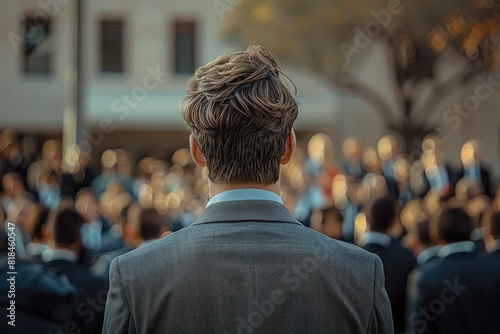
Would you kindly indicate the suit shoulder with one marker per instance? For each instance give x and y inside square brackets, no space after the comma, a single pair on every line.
[341,248]
[336,248]
[139,254]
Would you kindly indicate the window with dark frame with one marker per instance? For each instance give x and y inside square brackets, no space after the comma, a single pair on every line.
[184,47]
[37,55]
[112,46]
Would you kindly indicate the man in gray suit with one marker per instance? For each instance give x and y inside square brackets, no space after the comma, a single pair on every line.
[246,265]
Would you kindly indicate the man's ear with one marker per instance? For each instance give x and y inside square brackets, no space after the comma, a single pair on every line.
[291,142]
[196,153]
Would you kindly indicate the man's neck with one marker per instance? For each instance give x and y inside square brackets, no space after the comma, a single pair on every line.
[216,188]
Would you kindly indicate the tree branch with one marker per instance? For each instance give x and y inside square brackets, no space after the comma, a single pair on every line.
[445,88]
[346,81]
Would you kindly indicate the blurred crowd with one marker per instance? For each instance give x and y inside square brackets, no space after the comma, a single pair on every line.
[71,220]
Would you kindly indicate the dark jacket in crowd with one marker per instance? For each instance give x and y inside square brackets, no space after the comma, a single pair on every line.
[89,313]
[398,262]
[458,293]
[44,301]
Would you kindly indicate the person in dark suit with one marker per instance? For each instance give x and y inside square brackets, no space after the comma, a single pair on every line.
[98,236]
[246,265]
[79,174]
[44,301]
[419,241]
[400,186]
[39,234]
[473,169]
[151,226]
[398,262]
[352,149]
[436,175]
[62,259]
[460,291]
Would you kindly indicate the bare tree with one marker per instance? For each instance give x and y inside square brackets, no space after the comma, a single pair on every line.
[326,37]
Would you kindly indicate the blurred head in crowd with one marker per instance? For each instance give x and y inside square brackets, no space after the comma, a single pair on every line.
[52,153]
[432,142]
[131,225]
[66,229]
[418,237]
[13,185]
[40,232]
[433,145]
[402,168]
[119,161]
[387,148]
[9,145]
[470,153]
[429,161]
[241,115]
[151,224]
[320,150]
[75,160]
[23,212]
[467,189]
[382,215]
[49,188]
[453,225]
[87,205]
[371,161]
[114,198]
[331,222]
[352,149]
[40,237]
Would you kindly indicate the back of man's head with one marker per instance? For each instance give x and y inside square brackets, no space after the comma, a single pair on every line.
[454,225]
[150,224]
[422,232]
[382,214]
[67,228]
[241,114]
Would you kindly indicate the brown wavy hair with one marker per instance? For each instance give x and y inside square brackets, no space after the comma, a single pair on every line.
[241,113]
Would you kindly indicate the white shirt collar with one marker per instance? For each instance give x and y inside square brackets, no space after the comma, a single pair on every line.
[244,194]
[58,254]
[33,249]
[374,238]
[427,253]
[477,234]
[457,247]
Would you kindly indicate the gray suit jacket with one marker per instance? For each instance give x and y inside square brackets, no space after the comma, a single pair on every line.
[247,267]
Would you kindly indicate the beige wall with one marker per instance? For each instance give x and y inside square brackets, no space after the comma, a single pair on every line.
[148,44]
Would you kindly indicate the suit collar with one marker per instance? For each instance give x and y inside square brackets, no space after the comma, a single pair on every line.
[58,254]
[428,254]
[457,247]
[375,238]
[246,211]
[241,194]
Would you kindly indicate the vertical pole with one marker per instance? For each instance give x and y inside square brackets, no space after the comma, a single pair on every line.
[73,122]
[80,89]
